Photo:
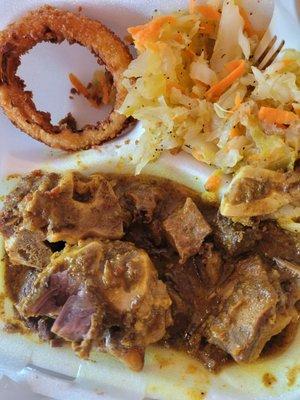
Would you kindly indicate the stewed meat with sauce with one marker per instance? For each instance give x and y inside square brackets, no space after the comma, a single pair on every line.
[119,262]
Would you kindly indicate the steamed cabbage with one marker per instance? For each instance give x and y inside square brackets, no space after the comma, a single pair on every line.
[193,88]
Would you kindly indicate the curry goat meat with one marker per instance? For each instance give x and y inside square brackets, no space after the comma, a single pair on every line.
[118,262]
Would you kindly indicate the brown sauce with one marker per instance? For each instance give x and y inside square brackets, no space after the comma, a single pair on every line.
[211,269]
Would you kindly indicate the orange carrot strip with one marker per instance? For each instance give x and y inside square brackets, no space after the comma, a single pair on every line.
[178,38]
[81,89]
[78,85]
[232,65]
[206,28]
[220,87]
[247,24]
[209,13]
[151,30]
[276,115]
[189,54]
[235,132]
[105,89]
[213,183]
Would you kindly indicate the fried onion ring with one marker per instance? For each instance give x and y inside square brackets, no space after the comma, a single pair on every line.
[55,25]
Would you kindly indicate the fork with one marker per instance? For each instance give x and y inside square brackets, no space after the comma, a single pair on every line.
[283,32]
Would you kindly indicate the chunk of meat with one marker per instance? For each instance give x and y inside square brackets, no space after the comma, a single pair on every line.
[11,215]
[89,285]
[27,248]
[190,304]
[42,326]
[252,307]
[234,237]
[80,320]
[212,357]
[277,242]
[144,198]
[186,229]
[210,265]
[289,277]
[131,287]
[75,209]
[191,287]
[61,279]
[254,191]
[74,320]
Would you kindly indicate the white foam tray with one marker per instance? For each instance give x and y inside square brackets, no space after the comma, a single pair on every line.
[32,366]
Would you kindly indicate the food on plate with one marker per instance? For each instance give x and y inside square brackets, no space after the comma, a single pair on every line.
[116,263]
[55,25]
[99,91]
[194,88]
[259,191]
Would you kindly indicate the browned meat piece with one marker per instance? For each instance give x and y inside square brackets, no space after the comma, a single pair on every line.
[235,238]
[87,283]
[212,357]
[292,186]
[11,215]
[61,279]
[42,326]
[75,317]
[287,269]
[131,287]
[80,320]
[144,198]
[190,305]
[76,208]
[277,242]
[191,287]
[27,248]
[252,307]
[186,229]
[210,265]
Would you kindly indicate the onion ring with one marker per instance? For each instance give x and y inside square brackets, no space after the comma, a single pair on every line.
[55,25]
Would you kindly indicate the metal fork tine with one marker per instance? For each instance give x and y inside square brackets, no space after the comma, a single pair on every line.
[266,51]
[269,59]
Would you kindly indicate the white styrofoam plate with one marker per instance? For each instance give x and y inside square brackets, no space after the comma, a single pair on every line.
[58,373]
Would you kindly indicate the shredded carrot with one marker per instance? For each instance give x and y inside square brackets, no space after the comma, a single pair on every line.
[276,115]
[206,28]
[220,87]
[247,24]
[78,85]
[149,31]
[235,132]
[209,12]
[232,65]
[189,54]
[105,88]
[192,6]
[81,89]
[178,38]
[213,183]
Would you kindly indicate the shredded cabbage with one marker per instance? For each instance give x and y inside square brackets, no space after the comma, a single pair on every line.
[181,58]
